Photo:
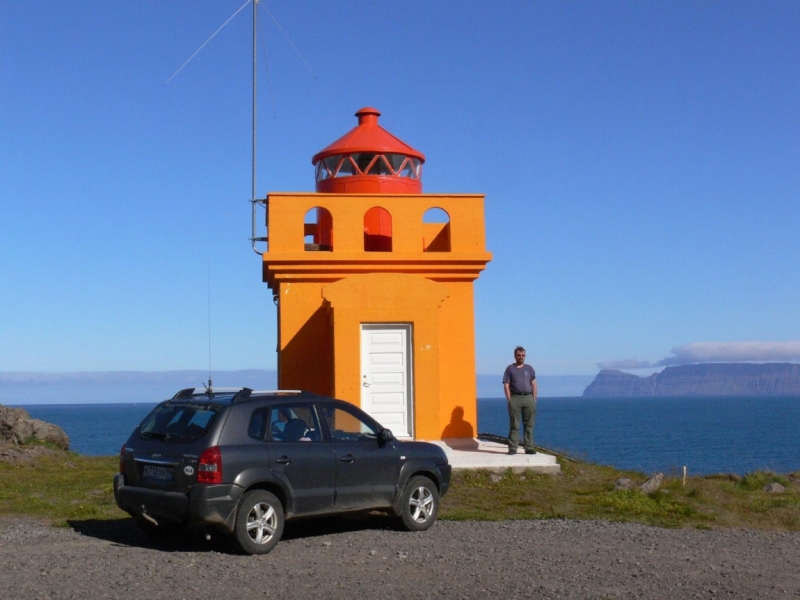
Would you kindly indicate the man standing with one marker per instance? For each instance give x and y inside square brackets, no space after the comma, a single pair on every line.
[519,383]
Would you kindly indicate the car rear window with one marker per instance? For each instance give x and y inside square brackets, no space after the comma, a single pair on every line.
[178,422]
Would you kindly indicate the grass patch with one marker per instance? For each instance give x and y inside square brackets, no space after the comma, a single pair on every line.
[586,491]
[59,486]
[758,479]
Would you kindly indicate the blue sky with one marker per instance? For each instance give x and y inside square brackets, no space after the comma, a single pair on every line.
[640,161]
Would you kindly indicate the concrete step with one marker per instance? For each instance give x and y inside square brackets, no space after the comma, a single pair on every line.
[466,453]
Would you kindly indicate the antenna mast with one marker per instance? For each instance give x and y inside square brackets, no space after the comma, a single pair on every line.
[255,16]
[254,201]
[208,290]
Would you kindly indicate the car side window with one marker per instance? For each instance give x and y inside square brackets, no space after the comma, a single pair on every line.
[294,423]
[257,429]
[345,426]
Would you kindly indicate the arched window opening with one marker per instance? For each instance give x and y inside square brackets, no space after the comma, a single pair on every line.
[318,230]
[435,230]
[377,230]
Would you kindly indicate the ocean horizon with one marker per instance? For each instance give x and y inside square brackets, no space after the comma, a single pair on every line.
[109,387]
[705,434]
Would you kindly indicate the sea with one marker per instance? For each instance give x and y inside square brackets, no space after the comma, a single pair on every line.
[706,435]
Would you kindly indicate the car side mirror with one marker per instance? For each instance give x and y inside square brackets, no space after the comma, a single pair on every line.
[385,436]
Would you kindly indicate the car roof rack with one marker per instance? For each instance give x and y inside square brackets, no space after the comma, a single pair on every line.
[247,393]
[189,393]
[240,394]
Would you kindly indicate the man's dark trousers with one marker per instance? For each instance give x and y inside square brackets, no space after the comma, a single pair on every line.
[521,408]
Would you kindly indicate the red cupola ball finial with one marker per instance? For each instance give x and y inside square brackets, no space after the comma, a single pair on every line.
[368,160]
[368,115]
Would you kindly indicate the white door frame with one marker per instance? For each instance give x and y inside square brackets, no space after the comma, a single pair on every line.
[395,384]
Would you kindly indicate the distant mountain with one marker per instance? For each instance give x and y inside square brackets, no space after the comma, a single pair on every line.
[713,379]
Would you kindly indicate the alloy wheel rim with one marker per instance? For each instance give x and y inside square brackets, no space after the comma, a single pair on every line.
[261,523]
[421,503]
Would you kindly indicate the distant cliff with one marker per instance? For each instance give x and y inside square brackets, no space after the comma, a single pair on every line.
[724,379]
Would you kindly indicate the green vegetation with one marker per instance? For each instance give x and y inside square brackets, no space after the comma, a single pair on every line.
[586,491]
[60,486]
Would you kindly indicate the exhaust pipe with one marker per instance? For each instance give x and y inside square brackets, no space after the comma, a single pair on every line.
[147,517]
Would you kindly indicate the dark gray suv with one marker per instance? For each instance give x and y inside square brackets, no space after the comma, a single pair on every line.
[242,462]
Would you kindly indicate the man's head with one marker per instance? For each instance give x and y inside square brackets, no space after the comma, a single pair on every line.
[519,355]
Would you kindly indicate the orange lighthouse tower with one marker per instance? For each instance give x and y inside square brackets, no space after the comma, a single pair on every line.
[374,286]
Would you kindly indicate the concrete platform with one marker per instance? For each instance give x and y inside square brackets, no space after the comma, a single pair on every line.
[465,453]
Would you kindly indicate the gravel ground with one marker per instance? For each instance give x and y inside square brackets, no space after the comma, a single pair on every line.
[366,557]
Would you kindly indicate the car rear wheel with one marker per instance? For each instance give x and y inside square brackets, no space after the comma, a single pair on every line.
[420,504]
[259,522]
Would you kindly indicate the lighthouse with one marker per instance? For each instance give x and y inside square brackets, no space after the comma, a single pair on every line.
[373,281]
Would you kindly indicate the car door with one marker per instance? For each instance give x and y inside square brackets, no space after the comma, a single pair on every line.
[300,458]
[366,472]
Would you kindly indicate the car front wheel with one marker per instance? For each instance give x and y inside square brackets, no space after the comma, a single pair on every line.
[419,504]
[259,522]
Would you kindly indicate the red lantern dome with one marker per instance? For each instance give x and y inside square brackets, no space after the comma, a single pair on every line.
[368,160]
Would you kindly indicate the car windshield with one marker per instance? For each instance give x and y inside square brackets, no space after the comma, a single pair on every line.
[178,422]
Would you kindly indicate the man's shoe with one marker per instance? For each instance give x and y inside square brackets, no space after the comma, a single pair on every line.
[512,452]
[530,451]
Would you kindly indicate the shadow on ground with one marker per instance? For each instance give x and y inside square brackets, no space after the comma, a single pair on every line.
[126,532]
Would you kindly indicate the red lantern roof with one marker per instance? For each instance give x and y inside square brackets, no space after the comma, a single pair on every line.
[368,159]
[368,136]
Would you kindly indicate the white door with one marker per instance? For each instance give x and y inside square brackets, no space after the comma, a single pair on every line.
[386,376]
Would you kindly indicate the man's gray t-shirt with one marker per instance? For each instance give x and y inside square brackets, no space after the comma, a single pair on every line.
[519,379]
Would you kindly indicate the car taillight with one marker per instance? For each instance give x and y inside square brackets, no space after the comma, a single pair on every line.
[209,468]
[122,460]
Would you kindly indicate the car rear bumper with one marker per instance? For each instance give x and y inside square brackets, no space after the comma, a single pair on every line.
[208,504]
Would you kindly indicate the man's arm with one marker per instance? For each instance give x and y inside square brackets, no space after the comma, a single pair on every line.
[535,388]
[507,390]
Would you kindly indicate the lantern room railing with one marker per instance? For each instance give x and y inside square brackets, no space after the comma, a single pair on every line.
[368,163]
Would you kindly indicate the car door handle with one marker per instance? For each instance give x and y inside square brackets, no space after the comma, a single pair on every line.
[283,460]
[347,458]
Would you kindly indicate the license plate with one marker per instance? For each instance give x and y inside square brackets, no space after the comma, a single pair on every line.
[155,472]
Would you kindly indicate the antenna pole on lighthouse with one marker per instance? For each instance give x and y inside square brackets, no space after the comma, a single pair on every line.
[254,201]
[255,16]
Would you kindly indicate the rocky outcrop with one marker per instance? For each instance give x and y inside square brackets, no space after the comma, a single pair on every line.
[774,488]
[717,379]
[624,483]
[17,428]
[651,486]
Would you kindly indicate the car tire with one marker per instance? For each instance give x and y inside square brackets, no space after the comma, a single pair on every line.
[259,522]
[419,504]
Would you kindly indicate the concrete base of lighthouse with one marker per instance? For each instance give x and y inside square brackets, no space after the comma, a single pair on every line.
[466,453]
